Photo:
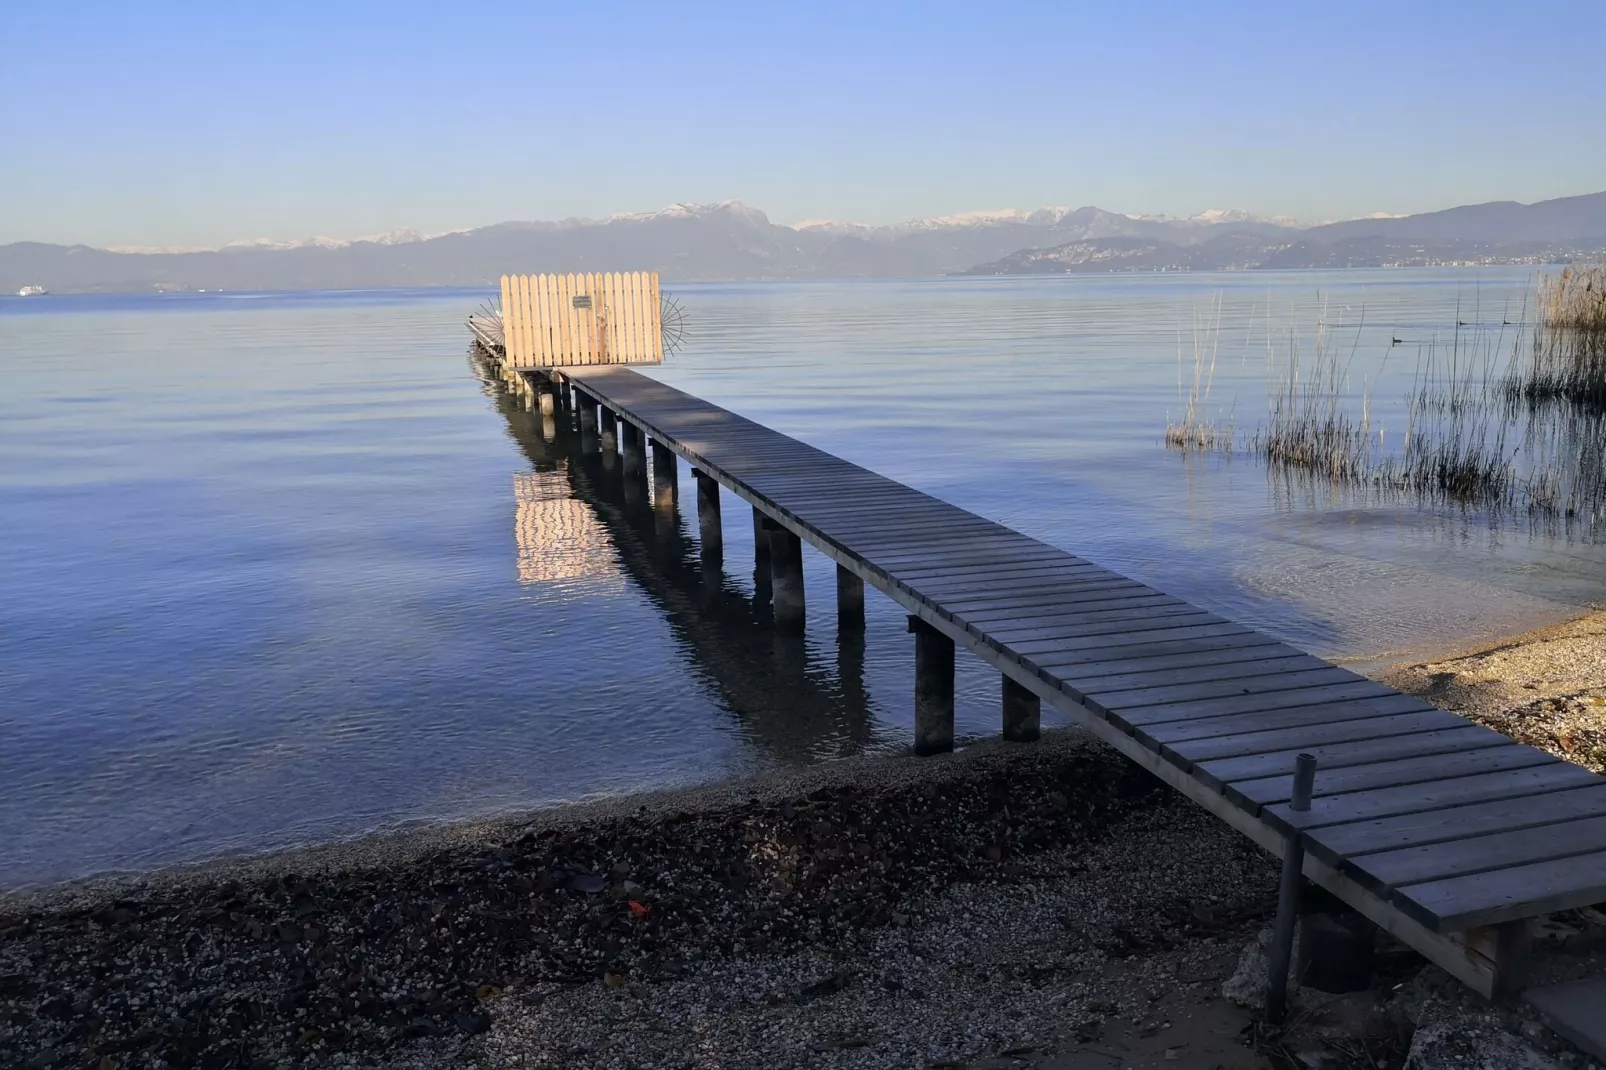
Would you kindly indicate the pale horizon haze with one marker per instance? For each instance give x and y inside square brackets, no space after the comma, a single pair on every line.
[170,124]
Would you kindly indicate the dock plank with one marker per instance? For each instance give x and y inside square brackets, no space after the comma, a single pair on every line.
[1276,680]
[1114,686]
[1191,714]
[1334,756]
[1435,795]
[1416,865]
[1263,791]
[1341,842]
[1494,896]
[1305,736]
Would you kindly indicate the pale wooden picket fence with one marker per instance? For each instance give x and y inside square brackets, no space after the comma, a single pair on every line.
[556,321]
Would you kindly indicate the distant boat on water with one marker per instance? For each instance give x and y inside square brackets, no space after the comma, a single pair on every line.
[31,291]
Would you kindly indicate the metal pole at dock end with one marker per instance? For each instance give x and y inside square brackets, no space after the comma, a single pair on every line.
[1282,942]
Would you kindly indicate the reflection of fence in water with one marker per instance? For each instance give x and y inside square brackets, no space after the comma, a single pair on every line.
[558,537]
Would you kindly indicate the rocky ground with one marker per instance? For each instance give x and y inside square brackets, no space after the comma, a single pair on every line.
[1044,906]
[815,885]
[1546,689]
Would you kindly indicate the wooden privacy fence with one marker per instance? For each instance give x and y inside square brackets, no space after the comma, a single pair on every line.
[556,321]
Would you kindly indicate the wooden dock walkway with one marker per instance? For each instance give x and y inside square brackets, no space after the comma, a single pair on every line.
[1446,834]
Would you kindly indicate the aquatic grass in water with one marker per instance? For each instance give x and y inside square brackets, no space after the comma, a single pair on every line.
[1195,431]
[1470,440]
[1574,300]
[1308,426]
[1566,361]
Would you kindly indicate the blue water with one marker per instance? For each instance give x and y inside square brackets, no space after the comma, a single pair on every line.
[277,569]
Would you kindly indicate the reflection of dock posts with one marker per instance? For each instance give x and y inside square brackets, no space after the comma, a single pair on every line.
[849,600]
[850,667]
[630,444]
[786,575]
[664,477]
[708,526]
[934,689]
[1023,713]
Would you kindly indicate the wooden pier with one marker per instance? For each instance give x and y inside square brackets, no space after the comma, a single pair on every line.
[1445,834]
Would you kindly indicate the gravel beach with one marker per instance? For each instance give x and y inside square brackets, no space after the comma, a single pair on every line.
[1033,862]
[1047,906]
[1546,689]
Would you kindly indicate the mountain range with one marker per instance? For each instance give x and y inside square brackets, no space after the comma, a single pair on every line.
[733,241]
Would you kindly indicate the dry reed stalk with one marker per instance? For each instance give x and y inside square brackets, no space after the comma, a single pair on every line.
[1574,300]
[1566,361]
[1194,432]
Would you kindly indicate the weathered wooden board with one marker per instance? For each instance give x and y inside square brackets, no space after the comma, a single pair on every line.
[1341,842]
[1476,854]
[1495,896]
[1263,791]
[1434,795]
[1305,736]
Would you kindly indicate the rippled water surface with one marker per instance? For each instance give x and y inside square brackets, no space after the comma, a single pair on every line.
[279,568]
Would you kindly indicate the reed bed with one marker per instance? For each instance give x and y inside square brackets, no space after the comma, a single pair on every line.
[1574,300]
[1566,360]
[1470,439]
[1563,366]
[1309,425]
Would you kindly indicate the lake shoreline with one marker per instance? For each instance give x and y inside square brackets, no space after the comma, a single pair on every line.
[1560,663]
[1545,688]
[524,934]
[365,946]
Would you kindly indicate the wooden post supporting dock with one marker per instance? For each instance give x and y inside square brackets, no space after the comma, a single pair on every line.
[708,525]
[761,538]
[633,448]
[664,482]
[849,598]
[934,689]
[1023,713]
[588,422]
[786,575]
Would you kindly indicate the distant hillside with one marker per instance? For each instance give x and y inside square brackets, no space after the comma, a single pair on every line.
[1499,232]
[733,241]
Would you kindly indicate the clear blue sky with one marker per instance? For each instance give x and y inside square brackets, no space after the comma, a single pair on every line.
[166,123]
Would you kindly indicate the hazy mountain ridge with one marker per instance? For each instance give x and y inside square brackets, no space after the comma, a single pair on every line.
[1498,232]
[731,240]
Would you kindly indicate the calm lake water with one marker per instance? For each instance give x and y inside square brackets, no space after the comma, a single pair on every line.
[277,569]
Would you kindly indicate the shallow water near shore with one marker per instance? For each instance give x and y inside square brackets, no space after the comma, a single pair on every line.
[279,569]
